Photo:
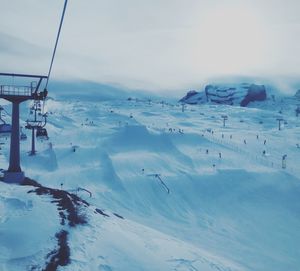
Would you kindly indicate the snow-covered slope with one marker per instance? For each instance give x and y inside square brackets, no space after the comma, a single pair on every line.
[170,190]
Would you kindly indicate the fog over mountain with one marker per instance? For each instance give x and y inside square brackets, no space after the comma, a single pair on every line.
[159,45]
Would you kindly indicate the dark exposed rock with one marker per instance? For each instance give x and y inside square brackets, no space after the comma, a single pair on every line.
[99,211]
[255,93]
[61,255]
[67,202]
[119,216]
[68,205]
[193,97]
[241,94]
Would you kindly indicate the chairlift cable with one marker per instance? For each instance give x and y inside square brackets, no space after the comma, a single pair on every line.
[56,42]
[54,51]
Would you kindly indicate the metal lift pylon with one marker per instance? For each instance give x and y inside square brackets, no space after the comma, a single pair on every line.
[36,125]
[16,95]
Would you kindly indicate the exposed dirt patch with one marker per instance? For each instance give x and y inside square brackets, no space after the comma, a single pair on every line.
[61,255]
[119,216]
[69,207]
[68,204]
[101,212]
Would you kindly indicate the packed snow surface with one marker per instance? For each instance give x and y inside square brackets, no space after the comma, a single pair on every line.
[170,190]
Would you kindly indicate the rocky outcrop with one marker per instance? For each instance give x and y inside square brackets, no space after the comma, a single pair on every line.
[255,93]
[193,97]
[241,94]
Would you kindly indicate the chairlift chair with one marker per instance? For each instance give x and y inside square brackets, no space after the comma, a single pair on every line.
[23,136]
[41,133]
[5,129]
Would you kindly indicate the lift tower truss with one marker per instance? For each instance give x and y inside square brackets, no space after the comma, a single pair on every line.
[17,94]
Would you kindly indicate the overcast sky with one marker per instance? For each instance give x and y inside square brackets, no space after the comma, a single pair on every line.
[153,44]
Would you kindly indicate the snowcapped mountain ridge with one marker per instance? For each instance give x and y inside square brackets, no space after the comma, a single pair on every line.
[233,94]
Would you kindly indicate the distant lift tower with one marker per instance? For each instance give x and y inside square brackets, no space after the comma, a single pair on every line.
[17,94]
[37,124]
[224,117]
[279,122]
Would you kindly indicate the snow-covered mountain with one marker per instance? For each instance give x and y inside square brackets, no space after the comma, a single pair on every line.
[84,90]
[232,94]
[140,185]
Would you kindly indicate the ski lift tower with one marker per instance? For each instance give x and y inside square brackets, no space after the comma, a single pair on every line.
[224,117]
[36,124]
[16,95]
[279,119]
